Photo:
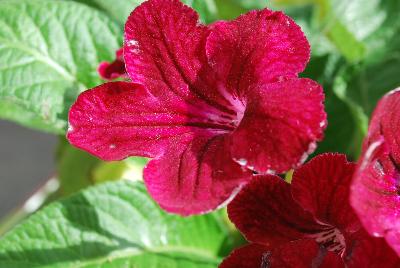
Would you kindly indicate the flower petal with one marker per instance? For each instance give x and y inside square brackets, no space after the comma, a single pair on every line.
[385,123]
[370,252]
[120,119]
[249,256]
[322,187]
[297,254]
[281,125]
[374,194]
[196,177]
[257,48]
[265,212]
[165,52]
[113,70]
[375,189]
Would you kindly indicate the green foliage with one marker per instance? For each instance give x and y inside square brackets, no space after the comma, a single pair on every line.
[252,4]
[355,29]
[49,51]
[207,9]
[354,56]
[230,9]
[119,10]
[74,168]
[369,82]
[77,169]
[113,225]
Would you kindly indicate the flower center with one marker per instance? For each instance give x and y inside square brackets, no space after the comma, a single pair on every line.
[331,239]
[237,104]
[221,121]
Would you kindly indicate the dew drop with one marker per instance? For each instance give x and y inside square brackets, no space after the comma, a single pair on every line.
[270,172]
[70,128]
[393,91]
[242,162]
[376,234]
[133,42]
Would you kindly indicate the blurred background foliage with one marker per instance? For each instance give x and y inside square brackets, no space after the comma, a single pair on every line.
[49,51]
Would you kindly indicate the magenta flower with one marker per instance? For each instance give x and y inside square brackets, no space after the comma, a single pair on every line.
[115,69]
[209,104]
[375,194]
[308,223]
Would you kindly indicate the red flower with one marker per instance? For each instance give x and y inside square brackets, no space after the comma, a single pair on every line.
[308,223]
[115,69]
[208,103]
[375,194]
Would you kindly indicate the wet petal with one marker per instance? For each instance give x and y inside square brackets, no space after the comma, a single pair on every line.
[265,212]
[250,256]
[322,187]
[281,125]
[257,48]
[370,252]
[385,123]
[196,177]
[165,52]
[298,254]
[120,119]
[375,194]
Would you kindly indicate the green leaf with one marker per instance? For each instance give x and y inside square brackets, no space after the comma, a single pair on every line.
[114,224]
[207,9]
[75,168]
[120,10]
[385,41]
[130,168]
[346,128]
[356,29]
[49,51]
[364,85]
[302,15]
[78,169]
[284,3]
[331,23]
[252,4]
[229,9]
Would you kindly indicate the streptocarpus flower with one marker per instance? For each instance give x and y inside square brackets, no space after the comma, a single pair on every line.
[115,69]
[375,194]
[208,103]
[308,223]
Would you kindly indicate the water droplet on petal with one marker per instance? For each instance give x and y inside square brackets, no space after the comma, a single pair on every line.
[70,128]
[242,162]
